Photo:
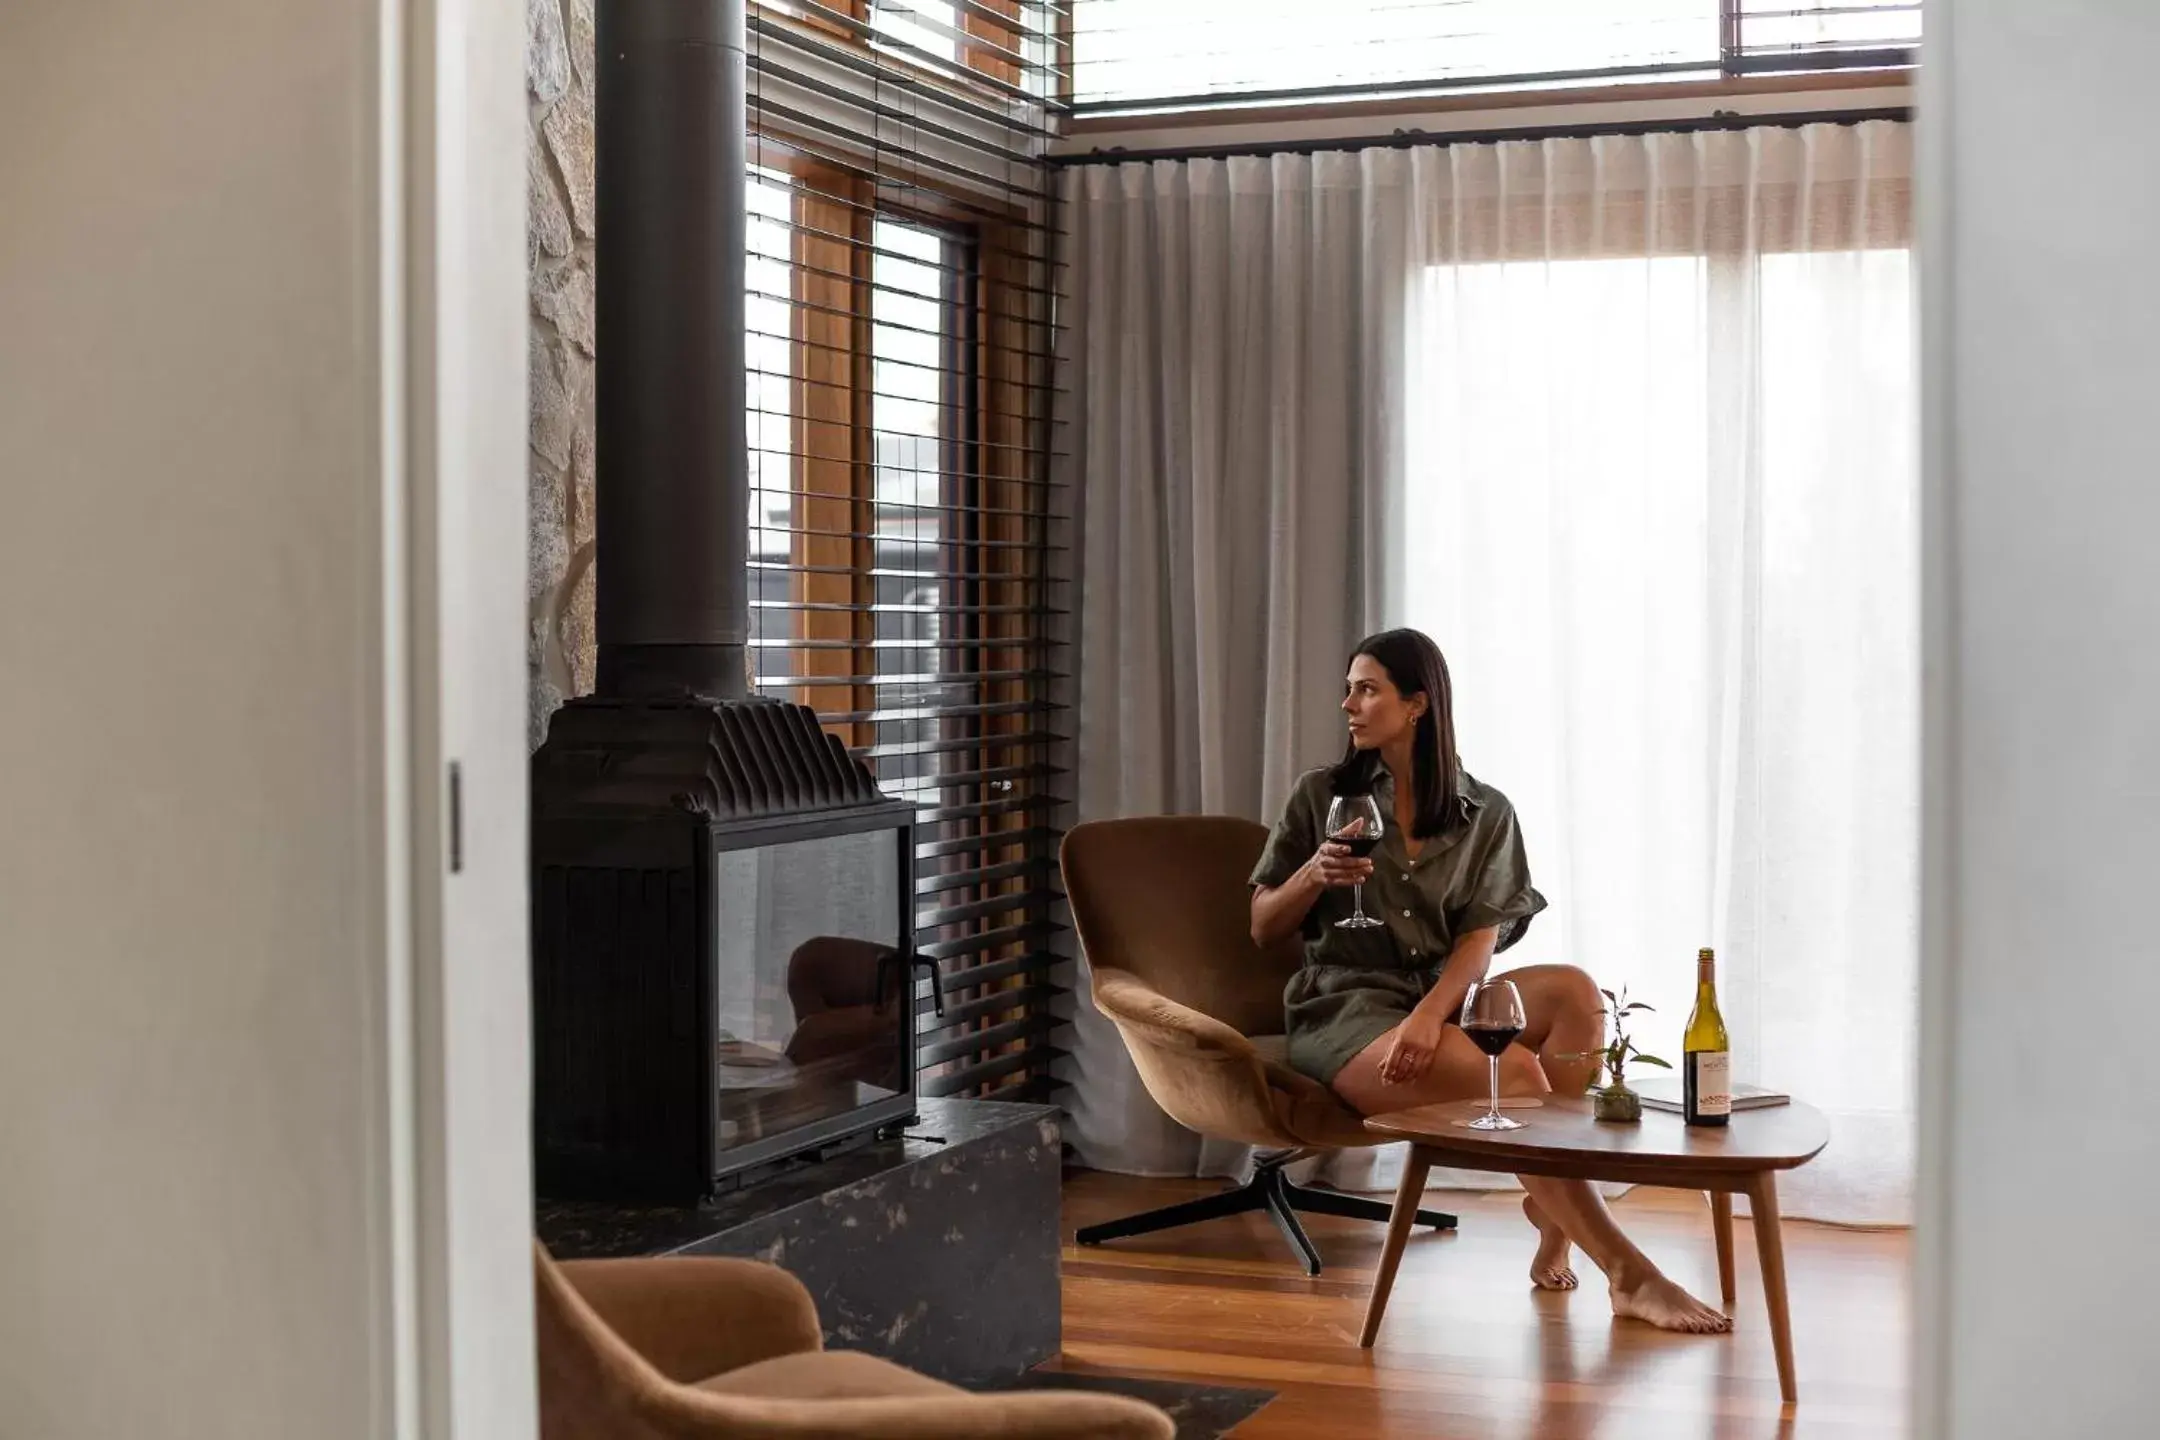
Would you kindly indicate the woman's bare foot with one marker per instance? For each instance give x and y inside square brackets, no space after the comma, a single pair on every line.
[1549,1269]
[1652,1298]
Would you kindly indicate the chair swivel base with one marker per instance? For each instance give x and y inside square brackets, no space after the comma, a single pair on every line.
[1270,1190]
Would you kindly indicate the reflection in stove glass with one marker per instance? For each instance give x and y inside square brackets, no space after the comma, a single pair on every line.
[809,983]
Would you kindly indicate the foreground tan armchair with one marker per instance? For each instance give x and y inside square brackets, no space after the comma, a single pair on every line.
[700,1349]
[1164,914]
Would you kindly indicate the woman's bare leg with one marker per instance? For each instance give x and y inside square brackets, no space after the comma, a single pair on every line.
[1570,1207]
[1551,1268]
[1564,1021]
[1639,1289]
[1459,1073]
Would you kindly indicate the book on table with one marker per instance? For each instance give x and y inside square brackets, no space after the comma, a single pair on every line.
[1663,1093]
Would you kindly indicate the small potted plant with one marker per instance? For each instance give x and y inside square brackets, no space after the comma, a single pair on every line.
[1616,1102]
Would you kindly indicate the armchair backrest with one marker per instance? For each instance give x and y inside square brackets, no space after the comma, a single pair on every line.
[595,1386]
[591,1383]
[1166,898]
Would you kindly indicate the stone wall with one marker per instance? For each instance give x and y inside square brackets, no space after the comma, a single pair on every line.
[559,255]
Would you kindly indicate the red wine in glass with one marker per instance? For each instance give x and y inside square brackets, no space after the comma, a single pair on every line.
[1354,822]
[1492,1016]
[1492,1039]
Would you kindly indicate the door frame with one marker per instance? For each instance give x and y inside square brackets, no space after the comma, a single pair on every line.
[454,1040]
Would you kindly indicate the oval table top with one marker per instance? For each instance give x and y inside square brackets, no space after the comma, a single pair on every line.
[1562,1129]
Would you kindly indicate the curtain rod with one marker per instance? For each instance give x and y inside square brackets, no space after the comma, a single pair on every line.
[1411,139]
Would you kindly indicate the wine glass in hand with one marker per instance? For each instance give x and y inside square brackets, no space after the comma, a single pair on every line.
[1492,1016]
[1353,822]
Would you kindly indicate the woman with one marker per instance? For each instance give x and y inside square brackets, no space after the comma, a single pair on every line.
[1373,1012]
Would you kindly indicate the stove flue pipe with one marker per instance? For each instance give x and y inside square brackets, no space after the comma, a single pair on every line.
[672,481]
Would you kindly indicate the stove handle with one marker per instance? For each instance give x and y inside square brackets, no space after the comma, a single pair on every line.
[937,982]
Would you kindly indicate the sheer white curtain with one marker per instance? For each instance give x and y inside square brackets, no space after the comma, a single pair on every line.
[1660,513]
[1635,422]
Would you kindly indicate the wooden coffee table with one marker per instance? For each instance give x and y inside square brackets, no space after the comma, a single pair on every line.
[1561,1139]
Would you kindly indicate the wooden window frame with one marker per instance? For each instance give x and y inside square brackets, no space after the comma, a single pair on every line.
[985,877]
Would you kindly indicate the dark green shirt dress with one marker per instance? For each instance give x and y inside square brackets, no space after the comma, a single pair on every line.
[1356,985]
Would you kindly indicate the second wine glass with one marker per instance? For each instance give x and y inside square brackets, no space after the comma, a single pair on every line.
[1492,1016]
[1353,822]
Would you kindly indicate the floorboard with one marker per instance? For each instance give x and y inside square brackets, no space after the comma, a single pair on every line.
[1469,1348]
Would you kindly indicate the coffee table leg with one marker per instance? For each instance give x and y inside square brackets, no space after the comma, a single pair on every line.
[1721,1225]
[1770,1245]
[1408,1195]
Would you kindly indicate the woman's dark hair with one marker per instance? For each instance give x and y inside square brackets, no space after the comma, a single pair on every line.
[1417,667]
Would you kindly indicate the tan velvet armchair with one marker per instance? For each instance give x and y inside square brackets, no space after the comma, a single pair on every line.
[701,1349]
[1163,911]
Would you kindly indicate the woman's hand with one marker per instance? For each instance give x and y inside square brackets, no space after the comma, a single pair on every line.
[1333,865]
[1416,1041]
[1277,910]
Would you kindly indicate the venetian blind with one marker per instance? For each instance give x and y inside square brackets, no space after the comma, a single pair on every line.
[904,541]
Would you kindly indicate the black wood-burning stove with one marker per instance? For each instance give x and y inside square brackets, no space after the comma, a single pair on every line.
[723,948]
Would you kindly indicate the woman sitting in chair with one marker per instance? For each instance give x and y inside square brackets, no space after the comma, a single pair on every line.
[1374,1012]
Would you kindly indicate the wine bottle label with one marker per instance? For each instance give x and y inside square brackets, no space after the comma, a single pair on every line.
[1713,1081]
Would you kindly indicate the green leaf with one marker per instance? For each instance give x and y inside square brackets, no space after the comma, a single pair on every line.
[1638,1005]
[1653,1060]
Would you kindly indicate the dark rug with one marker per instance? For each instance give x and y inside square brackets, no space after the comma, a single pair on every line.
[1202,1412]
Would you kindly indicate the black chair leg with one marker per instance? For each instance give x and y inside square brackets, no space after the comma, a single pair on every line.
[1270,1190]
[1357,1207]
[1243,1200]
[1278,1205]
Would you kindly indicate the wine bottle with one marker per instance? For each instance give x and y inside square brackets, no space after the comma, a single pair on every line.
[1706,1053]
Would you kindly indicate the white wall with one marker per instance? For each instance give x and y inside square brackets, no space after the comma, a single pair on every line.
[2042,328]
[232,1082]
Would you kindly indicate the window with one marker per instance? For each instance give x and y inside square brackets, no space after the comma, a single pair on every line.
[929,26]
[807,635]
[1015,42]
[770,357]
[1806,34]
[902,538]
[920,412]
[1171,54]
[1014,47]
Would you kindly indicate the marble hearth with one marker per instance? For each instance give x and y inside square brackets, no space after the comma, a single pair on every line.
[899,1241]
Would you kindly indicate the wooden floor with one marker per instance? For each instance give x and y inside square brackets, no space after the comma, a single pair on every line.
[1469,1348]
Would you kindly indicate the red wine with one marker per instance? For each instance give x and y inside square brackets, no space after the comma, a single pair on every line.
[1358,845]
[1492,1039]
